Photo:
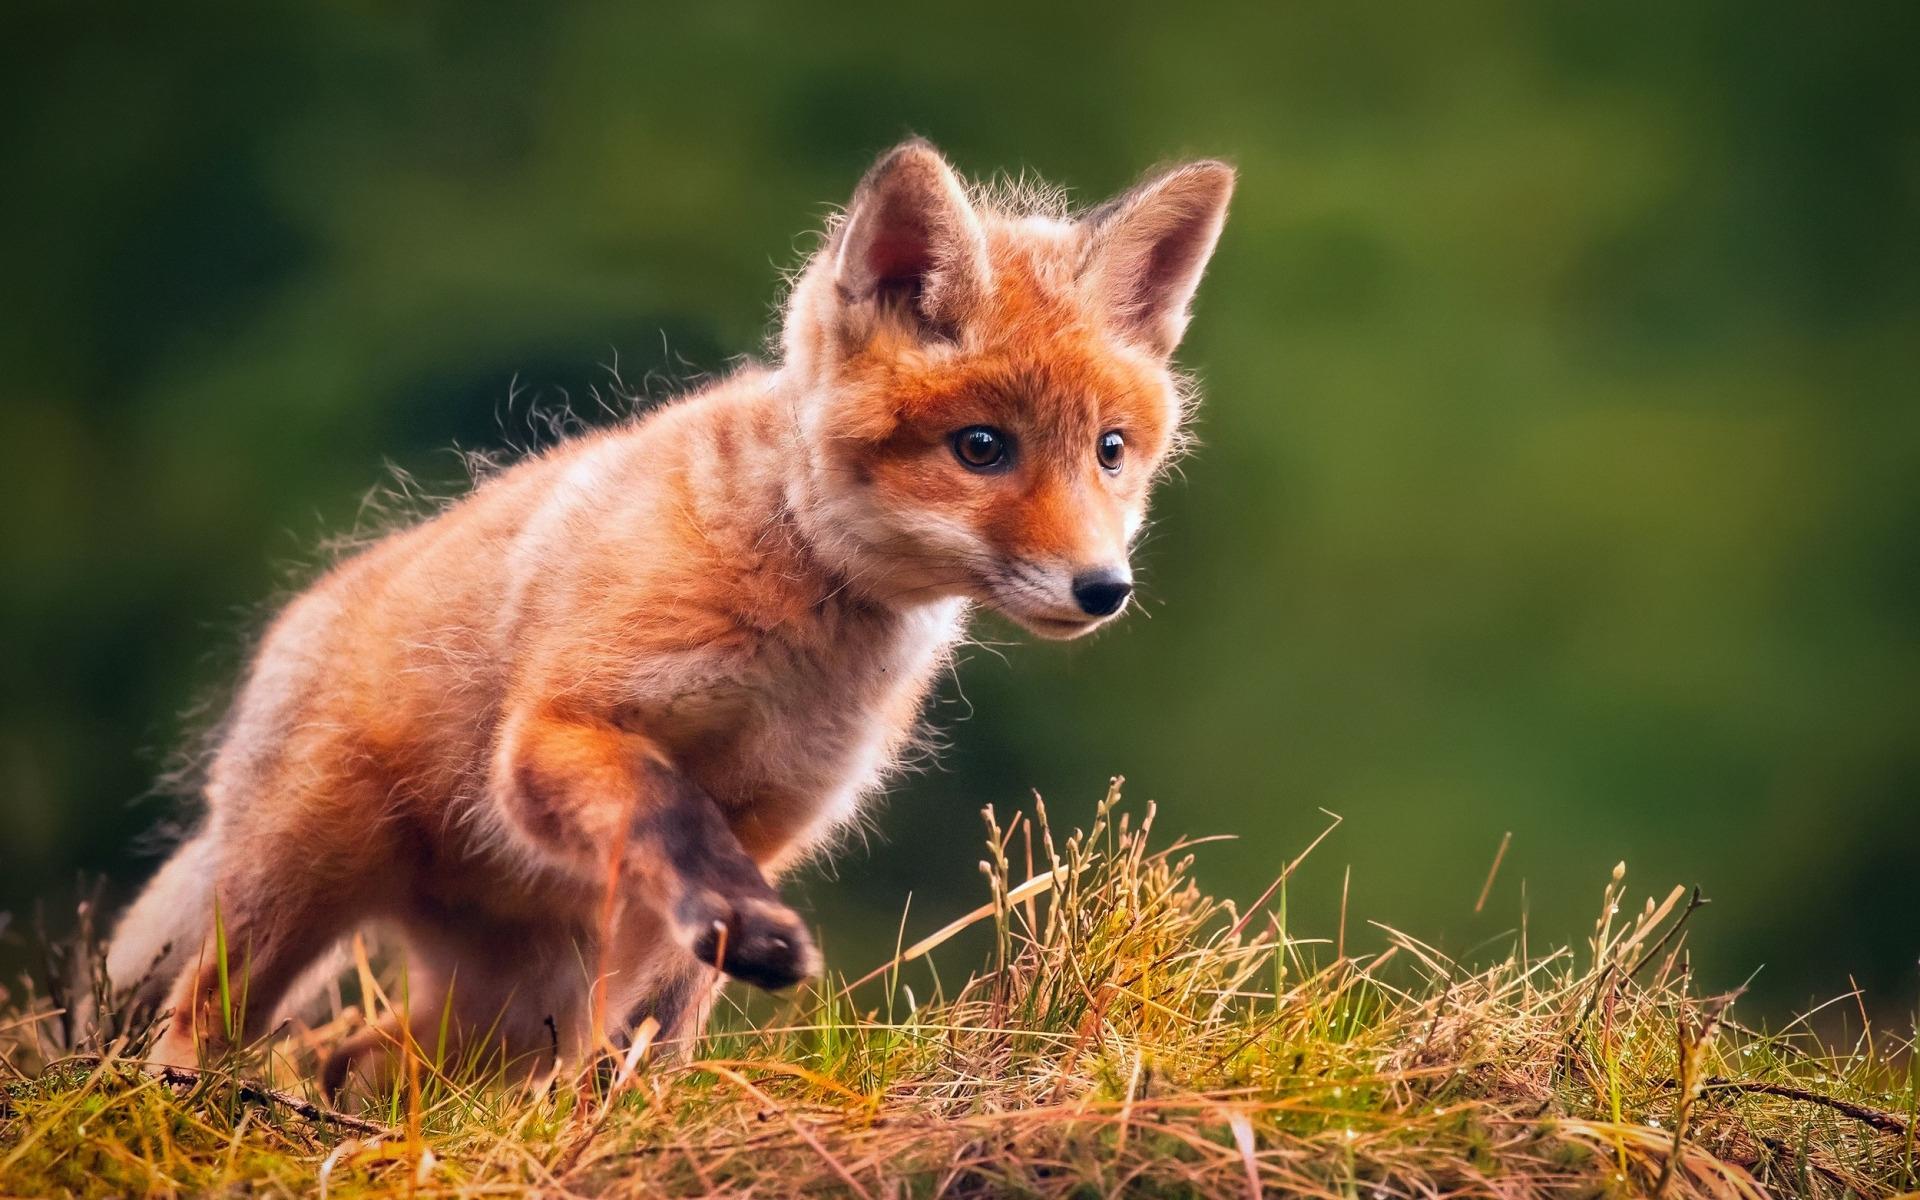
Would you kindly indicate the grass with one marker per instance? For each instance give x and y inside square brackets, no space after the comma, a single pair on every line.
[1129,1035]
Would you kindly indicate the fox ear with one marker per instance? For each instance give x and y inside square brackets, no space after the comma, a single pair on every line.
[910,238]
[1149,246]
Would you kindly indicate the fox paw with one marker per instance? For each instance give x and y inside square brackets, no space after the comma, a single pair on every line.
[761,942]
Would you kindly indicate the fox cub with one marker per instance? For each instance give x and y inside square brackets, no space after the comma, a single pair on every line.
[561,737]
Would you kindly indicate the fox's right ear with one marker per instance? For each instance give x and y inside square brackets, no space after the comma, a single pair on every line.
[1149,247]
[911,241]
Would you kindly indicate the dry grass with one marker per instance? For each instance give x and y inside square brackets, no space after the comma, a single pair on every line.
[1130,1035]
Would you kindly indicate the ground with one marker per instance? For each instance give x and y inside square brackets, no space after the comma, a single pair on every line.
[1129,1035]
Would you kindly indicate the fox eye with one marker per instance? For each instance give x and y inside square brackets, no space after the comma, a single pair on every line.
[1111,448]
[980,447]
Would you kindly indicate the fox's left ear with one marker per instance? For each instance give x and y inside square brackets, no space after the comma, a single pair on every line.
[1148,248]
[911,239]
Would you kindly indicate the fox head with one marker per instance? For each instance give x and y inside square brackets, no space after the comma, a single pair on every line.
[986,397]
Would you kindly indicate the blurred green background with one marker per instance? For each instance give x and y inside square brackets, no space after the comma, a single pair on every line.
[1561,462]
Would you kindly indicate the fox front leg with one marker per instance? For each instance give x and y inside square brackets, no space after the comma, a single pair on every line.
[723,908]
[606,803]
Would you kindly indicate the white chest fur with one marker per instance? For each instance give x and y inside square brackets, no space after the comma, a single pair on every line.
[826,730]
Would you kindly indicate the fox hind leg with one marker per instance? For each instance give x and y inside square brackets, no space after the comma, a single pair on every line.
[160,934]
[483,996]
[271,915]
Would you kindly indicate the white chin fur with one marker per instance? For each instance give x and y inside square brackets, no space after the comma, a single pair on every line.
[1055,629]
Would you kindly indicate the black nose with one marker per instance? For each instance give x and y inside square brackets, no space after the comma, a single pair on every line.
[1101,593]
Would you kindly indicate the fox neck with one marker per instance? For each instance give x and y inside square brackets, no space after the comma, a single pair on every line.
[839,529]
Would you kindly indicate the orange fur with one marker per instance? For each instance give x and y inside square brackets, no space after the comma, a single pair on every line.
[561,735]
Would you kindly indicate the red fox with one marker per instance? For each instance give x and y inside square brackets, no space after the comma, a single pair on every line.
[562,736]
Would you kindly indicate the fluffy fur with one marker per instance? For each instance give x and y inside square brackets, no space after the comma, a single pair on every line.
[562,735]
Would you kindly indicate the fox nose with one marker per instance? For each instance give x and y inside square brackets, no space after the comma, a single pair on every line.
[1101,592]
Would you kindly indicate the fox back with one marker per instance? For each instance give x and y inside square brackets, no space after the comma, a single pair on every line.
[562,736]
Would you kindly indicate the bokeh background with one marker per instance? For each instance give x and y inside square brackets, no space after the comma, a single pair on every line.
[1561,455]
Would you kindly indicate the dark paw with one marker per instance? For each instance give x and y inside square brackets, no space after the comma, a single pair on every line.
[761,942]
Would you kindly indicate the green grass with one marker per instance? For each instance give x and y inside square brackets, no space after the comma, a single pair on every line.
[1129,1034]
